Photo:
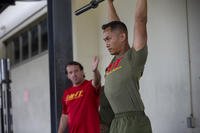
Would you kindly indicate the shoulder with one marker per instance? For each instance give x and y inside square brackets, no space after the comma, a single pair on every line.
[132,52]
[142,50]
[87,82]
[68,90]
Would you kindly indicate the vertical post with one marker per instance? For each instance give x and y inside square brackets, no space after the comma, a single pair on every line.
[191,118]
[6,114]
[60,52]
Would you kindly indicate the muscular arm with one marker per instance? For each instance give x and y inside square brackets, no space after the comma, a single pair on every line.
[96,82]
[112,14]
[63,124]
[140,31]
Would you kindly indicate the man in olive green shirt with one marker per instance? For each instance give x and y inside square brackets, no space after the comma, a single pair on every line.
[123,74]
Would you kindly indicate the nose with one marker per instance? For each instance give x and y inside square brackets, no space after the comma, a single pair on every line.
[73,74]
[107,45]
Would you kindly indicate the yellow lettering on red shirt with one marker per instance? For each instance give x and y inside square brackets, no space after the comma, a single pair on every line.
[74,96]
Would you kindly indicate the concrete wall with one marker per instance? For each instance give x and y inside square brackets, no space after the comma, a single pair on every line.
[85,36]
[165,85]
[30,96]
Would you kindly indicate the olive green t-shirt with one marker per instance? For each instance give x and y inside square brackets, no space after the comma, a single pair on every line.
[122,81]
[106,113]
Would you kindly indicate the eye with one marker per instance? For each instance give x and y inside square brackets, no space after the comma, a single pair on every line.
[107,39]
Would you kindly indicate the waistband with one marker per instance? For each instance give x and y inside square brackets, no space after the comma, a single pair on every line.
[129,113]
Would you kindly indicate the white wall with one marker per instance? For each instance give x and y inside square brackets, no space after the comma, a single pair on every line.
[85,37]
[30,96]
[165,85]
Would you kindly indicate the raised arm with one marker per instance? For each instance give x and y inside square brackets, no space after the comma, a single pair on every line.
[63,123]
[140,31]
[112,14]
[96,82]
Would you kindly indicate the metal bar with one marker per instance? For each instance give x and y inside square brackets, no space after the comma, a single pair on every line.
[92,4]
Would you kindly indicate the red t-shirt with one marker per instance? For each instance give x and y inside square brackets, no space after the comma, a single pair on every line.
[81,105]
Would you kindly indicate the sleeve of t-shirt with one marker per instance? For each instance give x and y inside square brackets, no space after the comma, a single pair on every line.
[139,59]
[64,106]
[140,56]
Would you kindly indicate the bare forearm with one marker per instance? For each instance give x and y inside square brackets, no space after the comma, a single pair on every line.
[141,11]
[112,14]
[96,79]
[63,124]
[140,31]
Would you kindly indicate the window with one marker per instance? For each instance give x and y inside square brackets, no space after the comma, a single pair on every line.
[34,41]
[28,42]
[9,51]
[44,39]
[16,46]
[25,47]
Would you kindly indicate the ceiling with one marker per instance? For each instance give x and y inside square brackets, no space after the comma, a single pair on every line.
[5,3]
[13,15]
[3,7]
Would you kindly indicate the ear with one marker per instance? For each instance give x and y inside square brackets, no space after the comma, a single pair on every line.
[122,37]
[66,74]
[83,74]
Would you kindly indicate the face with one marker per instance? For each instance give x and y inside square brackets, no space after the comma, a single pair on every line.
[75,74]
[113,41]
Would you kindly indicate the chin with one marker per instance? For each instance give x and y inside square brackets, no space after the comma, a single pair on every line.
[113,53]
[78,82]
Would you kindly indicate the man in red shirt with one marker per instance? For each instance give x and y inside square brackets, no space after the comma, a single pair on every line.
[81,101]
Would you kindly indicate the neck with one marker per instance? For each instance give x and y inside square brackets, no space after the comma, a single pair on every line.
[78,84]
[124,49]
